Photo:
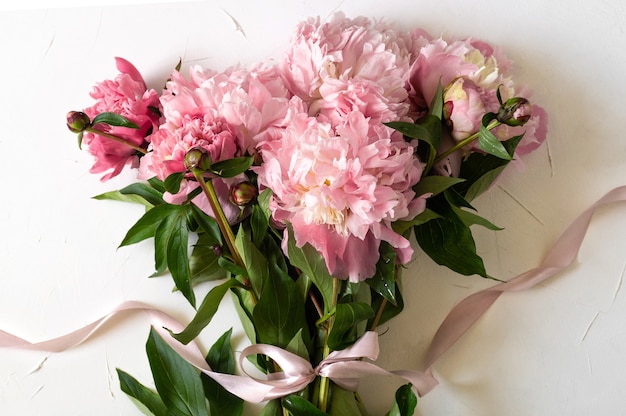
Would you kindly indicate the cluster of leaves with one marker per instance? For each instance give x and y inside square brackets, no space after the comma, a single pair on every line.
[291,301]
[443,229]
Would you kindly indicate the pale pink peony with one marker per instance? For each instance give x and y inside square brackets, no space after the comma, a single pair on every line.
[470,72]
[345,65]
[341,188]
[128,96]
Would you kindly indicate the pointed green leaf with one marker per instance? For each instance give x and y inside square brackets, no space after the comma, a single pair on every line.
[172,182]
[347,316]
[177,381]
[490,144]
[231,167]
[119,196]
[436,104]
[405,402]
[206,311]
[145,396]
[389,310]
[208,225]
[279,313]
[150,194]
[435,184]
[254,261]
[147,225]
[113,119]
[311,263]
[221,359]
[297,346]
[344,403]
[300,406]
[383,281]
[449,242]
[272,408]
[203,262]
[80,140]
[401,227]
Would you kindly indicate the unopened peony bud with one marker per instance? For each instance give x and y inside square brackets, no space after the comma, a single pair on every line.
[515,111]
[77,121]
[197,158]
[243,194]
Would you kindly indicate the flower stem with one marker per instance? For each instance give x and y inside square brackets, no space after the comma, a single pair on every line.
[324,381]
[379,314]
[220,217]
[116,139]
[465,142]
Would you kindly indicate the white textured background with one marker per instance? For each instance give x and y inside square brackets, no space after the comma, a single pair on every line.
[555,350]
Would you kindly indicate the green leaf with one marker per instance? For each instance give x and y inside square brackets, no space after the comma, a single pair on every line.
[113,119]
[344,403]
[449,242]
[389,310]
[481,170]
[119,196]
[301,407]
[347,316]
[172,182]
[206,311]
[297,346]
[469,219]
[231,167]
[171,241]
[142,394]
[221,359]
[177,381]
[147,225]
[80,140]
[259,222]
[279,313]
[254,261]
[203,263]
[272,408]
[436,104]
[149,193]
[208,225]
[435,184]
[311,263]
[490,144]
[405,402]
[383,281]
[244,305]
[401,227]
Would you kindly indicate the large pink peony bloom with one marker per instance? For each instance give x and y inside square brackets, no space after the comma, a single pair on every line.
[470,71]
[345,65]
[341,188]
[128,96]
[225,113]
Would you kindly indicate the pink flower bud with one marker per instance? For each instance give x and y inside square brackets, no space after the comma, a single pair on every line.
[77,121]
[515,111]
[197,158]
[243,194]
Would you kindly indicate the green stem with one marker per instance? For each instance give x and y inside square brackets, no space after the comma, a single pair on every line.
[324,381]
[220,217]
[465,142]
[116,139]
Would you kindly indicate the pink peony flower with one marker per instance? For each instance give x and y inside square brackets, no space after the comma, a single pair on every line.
[471,72]
[128,96]
[225,113]
[341,188]
[347,65]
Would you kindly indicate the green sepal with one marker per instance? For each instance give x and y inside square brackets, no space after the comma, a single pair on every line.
[220,358]
[143,395]
[177,382]
[113,119]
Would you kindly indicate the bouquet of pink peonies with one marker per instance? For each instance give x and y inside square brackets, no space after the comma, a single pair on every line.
[296,186]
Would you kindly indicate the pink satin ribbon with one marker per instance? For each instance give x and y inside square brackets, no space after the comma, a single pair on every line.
[344,367]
